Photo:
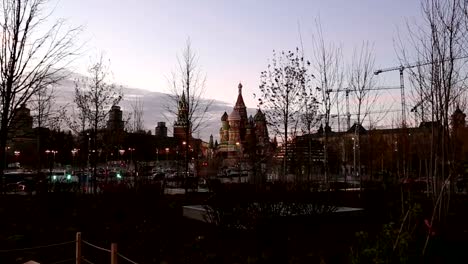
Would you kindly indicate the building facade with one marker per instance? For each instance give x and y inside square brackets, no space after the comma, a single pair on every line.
[238,133]
[243,139]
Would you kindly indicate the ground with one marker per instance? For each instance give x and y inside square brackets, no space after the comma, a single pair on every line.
[150,228]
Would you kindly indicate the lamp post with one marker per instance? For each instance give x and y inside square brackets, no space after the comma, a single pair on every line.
[73,152]
[89,152]
[5,161]
[131,153]
[17,153]
[52,164]
[397,159]
[54,152]
[238,160]
[184,144]
[354,158]
[121,152]
[177,161]
[186,168]
[131,157]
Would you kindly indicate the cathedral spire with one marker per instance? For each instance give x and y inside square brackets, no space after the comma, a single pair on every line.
[182,101]
[240,102]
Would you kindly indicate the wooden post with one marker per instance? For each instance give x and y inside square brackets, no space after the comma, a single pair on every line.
[114,253]
[78,248]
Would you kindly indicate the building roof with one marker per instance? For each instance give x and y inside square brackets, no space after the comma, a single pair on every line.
[458,110]
[240,100]
[224,117]
[234,116]
[259,116]
[359,129]
[182,101]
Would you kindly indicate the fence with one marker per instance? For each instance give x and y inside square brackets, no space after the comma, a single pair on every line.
[79,258]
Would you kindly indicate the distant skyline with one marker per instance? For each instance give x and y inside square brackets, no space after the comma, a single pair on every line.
[233,39]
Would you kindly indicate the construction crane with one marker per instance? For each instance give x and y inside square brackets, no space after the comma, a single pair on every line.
[420,104]
[401,68]
[348,90]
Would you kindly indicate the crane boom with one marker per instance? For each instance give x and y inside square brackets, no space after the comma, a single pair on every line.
[415,64]
[348,90]
[401,68]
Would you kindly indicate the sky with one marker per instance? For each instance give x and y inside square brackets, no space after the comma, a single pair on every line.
[233,39]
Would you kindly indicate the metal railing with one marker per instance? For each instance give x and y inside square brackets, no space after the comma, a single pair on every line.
[79,258]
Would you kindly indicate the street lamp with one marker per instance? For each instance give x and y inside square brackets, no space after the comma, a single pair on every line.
[54,152]
[73,152]
[354,157]
[186,170]
[157,155]
[5,161]
[17,153]
[238,159]
[397,158]
[131,155]
[48,152]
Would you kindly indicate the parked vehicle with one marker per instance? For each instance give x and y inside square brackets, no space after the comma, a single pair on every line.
[21,186]
[63,177]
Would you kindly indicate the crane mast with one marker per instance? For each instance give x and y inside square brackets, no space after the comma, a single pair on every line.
[401,69]
[348,90]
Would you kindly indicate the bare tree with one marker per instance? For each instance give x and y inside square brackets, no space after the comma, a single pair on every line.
[42,103]
[76,119]
[309,119]
[45,115]
[137,115]
[32,56]
[327,62]
[282,86]
[361,82]
[439,44]
[310,109]
[94,96]
[186,98]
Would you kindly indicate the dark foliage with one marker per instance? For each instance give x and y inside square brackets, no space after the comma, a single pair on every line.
[150,228]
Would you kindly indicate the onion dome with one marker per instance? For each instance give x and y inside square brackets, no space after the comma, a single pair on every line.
[458,111]
[224,117]
[251,119]
[249,122]
[259,116]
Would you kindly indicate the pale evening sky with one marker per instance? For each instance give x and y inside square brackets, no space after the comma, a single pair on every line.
[233,39]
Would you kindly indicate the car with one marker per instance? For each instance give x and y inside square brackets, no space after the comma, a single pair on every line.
[20,186]
[63,176]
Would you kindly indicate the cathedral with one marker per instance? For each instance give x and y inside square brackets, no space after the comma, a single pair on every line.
[242,136]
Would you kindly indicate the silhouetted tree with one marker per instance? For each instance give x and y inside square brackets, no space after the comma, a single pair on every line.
[137,115]
[46,115]
[189,82]
[94,96]
[33,56]
[361,81]
[329,71]
[282,86]
[439,44]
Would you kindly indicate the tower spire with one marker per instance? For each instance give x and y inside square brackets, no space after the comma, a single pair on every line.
[240,88]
